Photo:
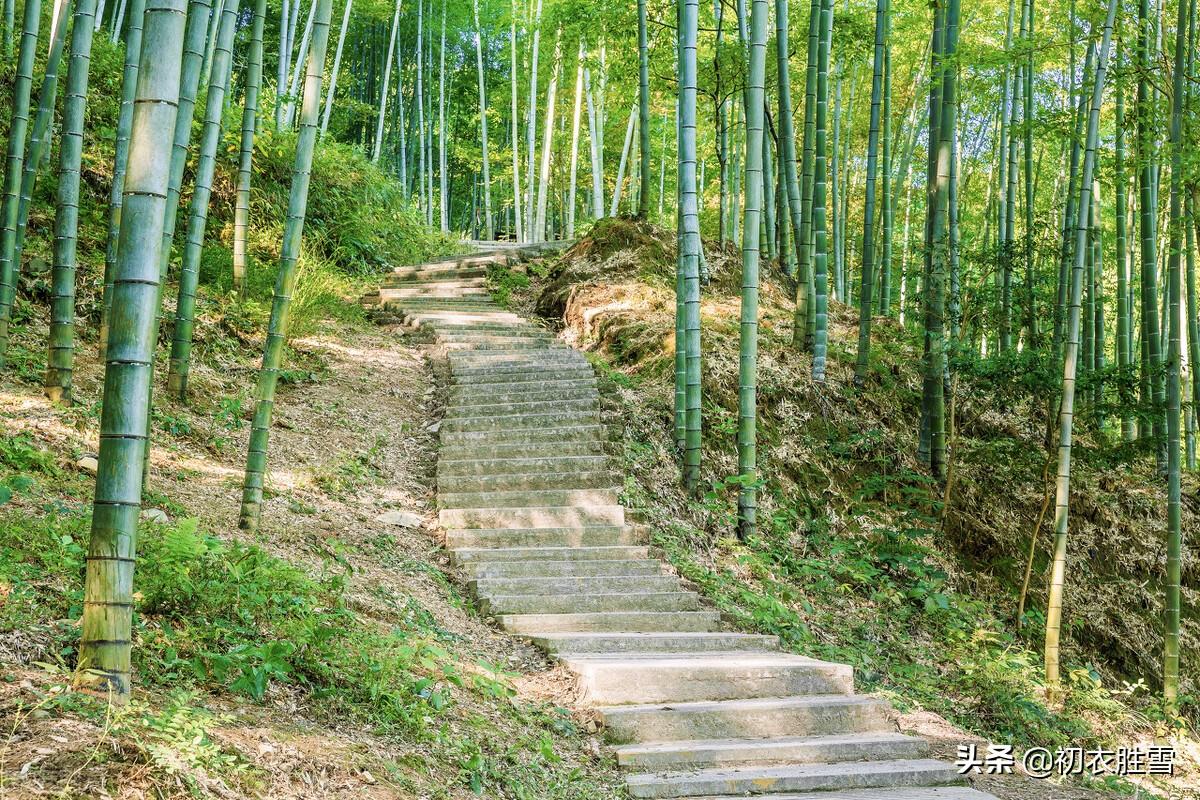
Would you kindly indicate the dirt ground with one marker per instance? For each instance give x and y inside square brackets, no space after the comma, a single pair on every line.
[354,439]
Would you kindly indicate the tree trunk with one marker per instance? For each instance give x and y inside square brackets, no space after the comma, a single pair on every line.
[38,147]
[133,50]
[333,77]
[487,181]
[60,360]
[1071,355]
[690,243]
[748,347]
[285,282]
[210,138]
[866,309]
[104,649]
[1174,362]
[616,199]
[575,120]
[531,127]
[22,88]
[643,113]
[820,232]
[539,227]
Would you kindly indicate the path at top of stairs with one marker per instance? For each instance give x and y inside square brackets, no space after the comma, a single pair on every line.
[529,498]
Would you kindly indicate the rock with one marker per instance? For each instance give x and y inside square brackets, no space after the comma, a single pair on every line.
[434,427]
[155,515]
[88,464]
[405,519]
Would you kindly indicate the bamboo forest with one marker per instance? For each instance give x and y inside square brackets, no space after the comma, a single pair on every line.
[571,400]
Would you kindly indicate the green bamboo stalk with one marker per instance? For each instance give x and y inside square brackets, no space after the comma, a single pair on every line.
[643,112]
[1124,354]
[942,242]
[104,650]
[1098,343]
[39,138]
[803,320]
[1147,203]
[285,282]
[22,87]
[680,407]
[886,193]
[748,347]
[1003,333]
[819,228]
[691,241]
[787,137]
[254,73]
[1070,357]
[193,54]
[330,92]
[1030,298]
[866,307]
[1174,363]
[189,276]
[60,362]
[486,159]
[133,51]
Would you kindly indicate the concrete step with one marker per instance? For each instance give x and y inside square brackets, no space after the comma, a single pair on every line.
[447,287]
[470,352]
[511,363]
[611,621]
[500,481]
[567,391]
[434,272]
[794,778]
[585,603]
[512,378]
[524,327]
[469,556]
[593,432]
[811,715]
[553,536]
[922,793]
[532,517]
[575,585]
[590,568]
[531,498]
[615,644]
[487,259]
[511,356]
[706,754]
[484,301]
[523,467]
[669,678]
[519,422]
[473,451]
[493,407]
[471,336]
[419,317]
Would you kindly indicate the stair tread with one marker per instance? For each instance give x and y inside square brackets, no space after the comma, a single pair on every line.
[775,741]
[754,704]
[798,770]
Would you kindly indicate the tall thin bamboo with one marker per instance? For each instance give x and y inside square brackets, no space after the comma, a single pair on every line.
[60,360]
[254,70]
[22,88]
[1071,355]
[285,281]
[210,138]
[748,342]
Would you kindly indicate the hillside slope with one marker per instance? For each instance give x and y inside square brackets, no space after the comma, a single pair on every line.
[860,558]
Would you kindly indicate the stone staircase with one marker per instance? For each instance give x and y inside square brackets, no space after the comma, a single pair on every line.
[529,501]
